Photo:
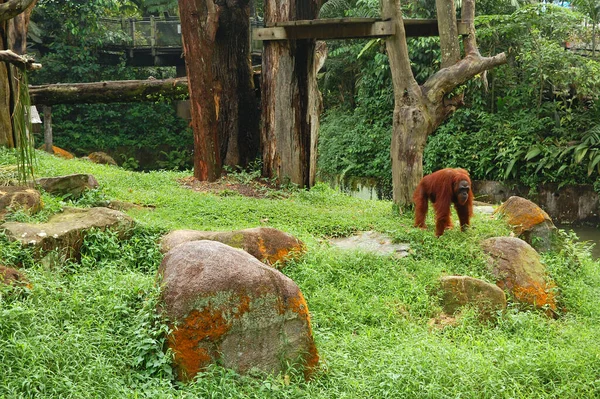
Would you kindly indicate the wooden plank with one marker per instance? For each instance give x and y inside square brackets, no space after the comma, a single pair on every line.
[324,21]
[347,28]
[325,31]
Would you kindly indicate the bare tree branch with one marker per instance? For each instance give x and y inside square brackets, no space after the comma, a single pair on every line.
[12,8]
[19,61]
[447,79]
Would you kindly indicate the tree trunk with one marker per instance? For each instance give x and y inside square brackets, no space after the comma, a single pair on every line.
[287,72]
[108,92]
[199,23]
[419,110]
[238,109]
[14,20]
[315,107]
[223,105]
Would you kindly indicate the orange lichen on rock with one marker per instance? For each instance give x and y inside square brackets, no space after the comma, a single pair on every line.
[59,152]
[192,338]
[538,295]
[297,304]
[522,214]
[276,254]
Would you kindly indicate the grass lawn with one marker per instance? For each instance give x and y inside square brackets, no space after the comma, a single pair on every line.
[89,330]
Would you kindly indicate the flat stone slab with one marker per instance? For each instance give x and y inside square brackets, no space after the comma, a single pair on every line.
[484,209]
[73,185]
[65,231]
[371,241]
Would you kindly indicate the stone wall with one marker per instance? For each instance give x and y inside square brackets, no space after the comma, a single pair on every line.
[577,204]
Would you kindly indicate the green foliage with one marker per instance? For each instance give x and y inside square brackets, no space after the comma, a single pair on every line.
[22,129]
[536,106]
[146,135]
[588,149]
[90,329]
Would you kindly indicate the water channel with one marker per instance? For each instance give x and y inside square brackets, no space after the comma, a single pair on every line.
[586,233]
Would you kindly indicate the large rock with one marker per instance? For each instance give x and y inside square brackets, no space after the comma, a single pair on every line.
[102,158]
[518,270]
[10,276]
[73,185]
[266,244]
[458,291]
[19,197]
[65,231]
[529,222]
[226,307]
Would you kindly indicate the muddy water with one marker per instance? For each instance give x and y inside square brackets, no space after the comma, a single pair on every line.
[586,233]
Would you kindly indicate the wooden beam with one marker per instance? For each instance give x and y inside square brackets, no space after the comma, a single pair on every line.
[347,28]
[307,30]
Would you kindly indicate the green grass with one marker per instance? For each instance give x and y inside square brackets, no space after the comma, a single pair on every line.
[89,330]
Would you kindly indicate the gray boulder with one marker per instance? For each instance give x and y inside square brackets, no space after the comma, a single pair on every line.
[65,231]
[226,307]
[73,185]
[529,222]
[519,271]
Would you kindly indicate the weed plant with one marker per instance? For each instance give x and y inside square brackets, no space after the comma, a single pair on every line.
[90,330]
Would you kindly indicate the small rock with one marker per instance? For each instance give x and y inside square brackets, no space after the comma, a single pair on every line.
[529,221]
[19,197]
[372,241]
[459,291]
[484,209]
[73,185]
[102,158]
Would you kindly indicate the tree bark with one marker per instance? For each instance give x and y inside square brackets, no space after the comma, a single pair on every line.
[108,92]
[315,107]
[48,130]
[199,24]
[419,110]
[14,20]
[287,69]
[12,8]
[238,116]
[223,105]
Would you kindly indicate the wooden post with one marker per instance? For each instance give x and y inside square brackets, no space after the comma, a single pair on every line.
[48,129]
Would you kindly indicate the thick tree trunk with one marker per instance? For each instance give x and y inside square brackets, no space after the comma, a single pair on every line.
[287,67]
[238,109]
[14,20]
[222,101]
[199,23]
[119,91]
[419,110]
